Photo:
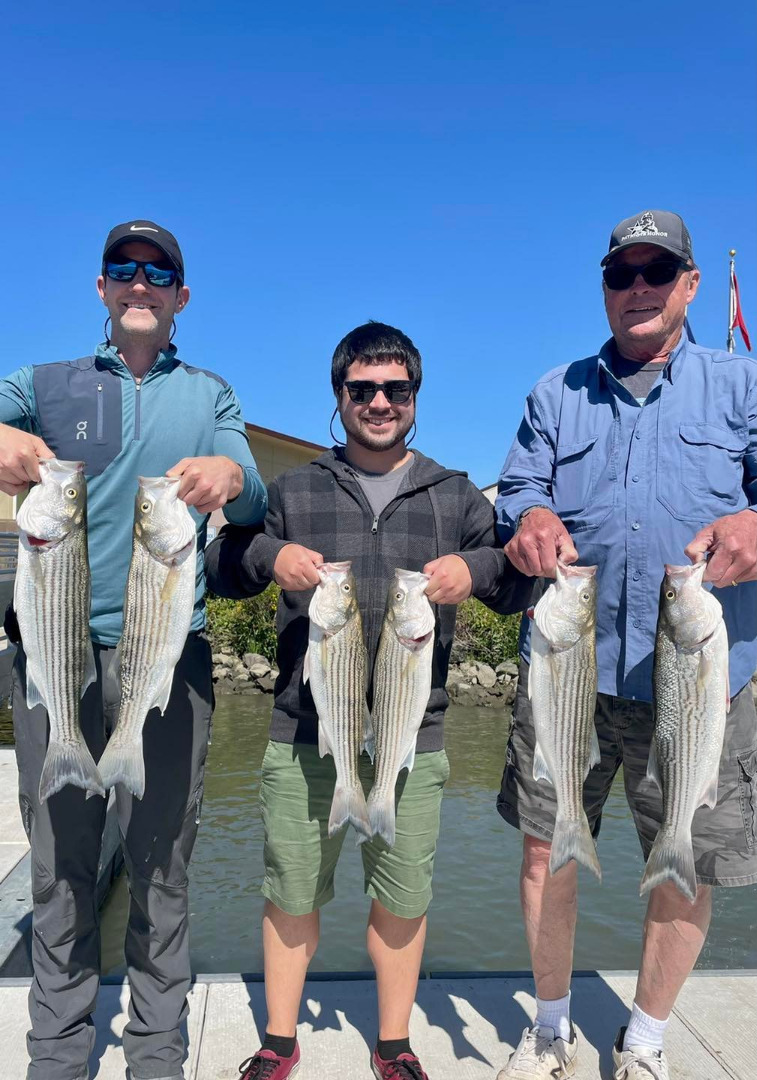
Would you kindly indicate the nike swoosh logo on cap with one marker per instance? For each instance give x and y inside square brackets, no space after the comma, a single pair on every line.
[142,228]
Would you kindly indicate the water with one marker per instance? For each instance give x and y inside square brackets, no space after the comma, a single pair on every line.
[474,920]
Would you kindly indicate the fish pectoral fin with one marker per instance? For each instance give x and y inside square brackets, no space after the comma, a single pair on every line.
[169,585]
[541,768]
[595,755]
[653,769]
[704,671]
[90,670]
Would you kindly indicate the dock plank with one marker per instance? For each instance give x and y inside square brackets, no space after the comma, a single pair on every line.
[725,1021]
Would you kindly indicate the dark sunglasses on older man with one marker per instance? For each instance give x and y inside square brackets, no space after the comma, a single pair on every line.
[396,391]
[657,273]
[126,271]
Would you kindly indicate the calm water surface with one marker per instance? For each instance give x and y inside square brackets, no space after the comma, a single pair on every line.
[474,920]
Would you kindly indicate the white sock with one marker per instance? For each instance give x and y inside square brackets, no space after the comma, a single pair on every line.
[644,1030]
[554,1014]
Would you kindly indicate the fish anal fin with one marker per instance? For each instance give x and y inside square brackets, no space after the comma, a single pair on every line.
[541,768]
[34,695]
[306,667]
[653,769]
[324,746]
[90,669]
[369,739]
[709,796]
[595,754]
[163,694]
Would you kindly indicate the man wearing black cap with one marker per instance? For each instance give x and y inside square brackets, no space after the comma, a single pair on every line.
[131,409]
[642,455]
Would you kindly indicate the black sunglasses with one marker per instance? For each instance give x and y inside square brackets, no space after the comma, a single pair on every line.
[657,273]
[126,271]
[396,391]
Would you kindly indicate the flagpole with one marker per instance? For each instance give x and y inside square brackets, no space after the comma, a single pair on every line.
[731,344]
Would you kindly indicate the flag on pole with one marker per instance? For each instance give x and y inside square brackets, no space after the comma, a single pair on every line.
[735,316]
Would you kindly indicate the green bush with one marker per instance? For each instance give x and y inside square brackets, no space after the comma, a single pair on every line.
[244,625]
[249,626]
[488,637]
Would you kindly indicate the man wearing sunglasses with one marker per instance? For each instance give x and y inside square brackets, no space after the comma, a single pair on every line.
[131,409]
[642,455]
[382,506]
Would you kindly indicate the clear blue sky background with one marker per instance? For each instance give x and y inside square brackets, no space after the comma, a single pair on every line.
[453,168]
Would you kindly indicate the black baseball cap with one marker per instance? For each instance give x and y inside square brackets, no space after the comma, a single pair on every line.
[659,227]
[152,234]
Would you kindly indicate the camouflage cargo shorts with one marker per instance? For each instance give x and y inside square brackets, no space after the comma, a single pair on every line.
[725,836]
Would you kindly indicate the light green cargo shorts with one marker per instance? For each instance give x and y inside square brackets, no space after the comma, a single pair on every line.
[300,859]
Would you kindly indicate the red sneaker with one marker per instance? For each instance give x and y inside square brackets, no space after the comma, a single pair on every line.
[266,1065]
[405,1067]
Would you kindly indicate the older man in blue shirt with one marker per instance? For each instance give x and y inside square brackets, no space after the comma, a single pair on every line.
[637,456]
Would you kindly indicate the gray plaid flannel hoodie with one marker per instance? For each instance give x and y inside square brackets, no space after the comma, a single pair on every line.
[321,505]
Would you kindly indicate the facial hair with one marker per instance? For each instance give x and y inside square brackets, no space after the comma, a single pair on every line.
[364,436]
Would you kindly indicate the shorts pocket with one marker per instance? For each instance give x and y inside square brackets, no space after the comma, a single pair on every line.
[748,794]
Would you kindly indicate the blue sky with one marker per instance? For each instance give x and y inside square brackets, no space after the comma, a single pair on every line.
[454,168]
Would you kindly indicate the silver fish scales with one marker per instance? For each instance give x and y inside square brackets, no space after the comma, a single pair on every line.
[691,700]
[562,686]
[402,685]
[335,667]
[159,602]
[52,600]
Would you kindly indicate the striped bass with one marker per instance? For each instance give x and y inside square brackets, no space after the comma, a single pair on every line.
[562,686]
[335,666]
[51,598]
[158,606]
[402,685]
[691,699]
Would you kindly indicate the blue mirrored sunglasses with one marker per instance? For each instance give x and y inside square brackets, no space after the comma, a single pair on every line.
[126,271]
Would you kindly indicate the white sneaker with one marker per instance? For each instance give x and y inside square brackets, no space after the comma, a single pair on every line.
[540,1054]
[639,1063]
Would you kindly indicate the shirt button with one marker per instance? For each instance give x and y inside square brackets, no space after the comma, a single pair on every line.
[635,479]
[635,526]
[636,575]
[637,623]
[637,435]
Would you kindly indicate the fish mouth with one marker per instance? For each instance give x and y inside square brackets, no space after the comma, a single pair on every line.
[417,643]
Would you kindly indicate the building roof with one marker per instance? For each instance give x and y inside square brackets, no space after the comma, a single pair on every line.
[284,438]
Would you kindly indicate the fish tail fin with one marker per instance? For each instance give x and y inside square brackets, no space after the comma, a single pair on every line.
[349,804]
[69,763]
[381,816]
[124,763]
[671,859]
[573,840]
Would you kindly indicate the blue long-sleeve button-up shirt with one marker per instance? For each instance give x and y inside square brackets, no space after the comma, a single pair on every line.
[633,484]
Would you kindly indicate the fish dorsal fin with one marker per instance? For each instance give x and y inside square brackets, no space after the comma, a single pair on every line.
[34,695]
[653,769]
[541,768]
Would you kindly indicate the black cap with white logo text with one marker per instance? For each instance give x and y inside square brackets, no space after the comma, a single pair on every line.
[151,234]
[659,227]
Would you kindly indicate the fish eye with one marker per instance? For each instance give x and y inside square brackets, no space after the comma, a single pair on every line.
[670,594]
[145,507]
[398,595]
[71,493]
[585,597]
[346,588]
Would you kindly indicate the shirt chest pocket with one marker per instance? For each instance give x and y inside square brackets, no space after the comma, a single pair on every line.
[574,476]
[710,467]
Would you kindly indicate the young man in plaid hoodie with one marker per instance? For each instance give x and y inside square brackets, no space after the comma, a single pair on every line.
[382,506]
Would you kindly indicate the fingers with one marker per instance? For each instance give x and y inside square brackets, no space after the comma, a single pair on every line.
[451,581]
[296,568]
[566,551]
[700,545]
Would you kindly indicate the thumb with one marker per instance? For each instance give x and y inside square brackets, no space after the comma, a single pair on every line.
[565,549]
[701,544]
[41,449]
[430,567]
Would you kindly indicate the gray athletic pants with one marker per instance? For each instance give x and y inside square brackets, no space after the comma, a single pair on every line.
[157,832]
